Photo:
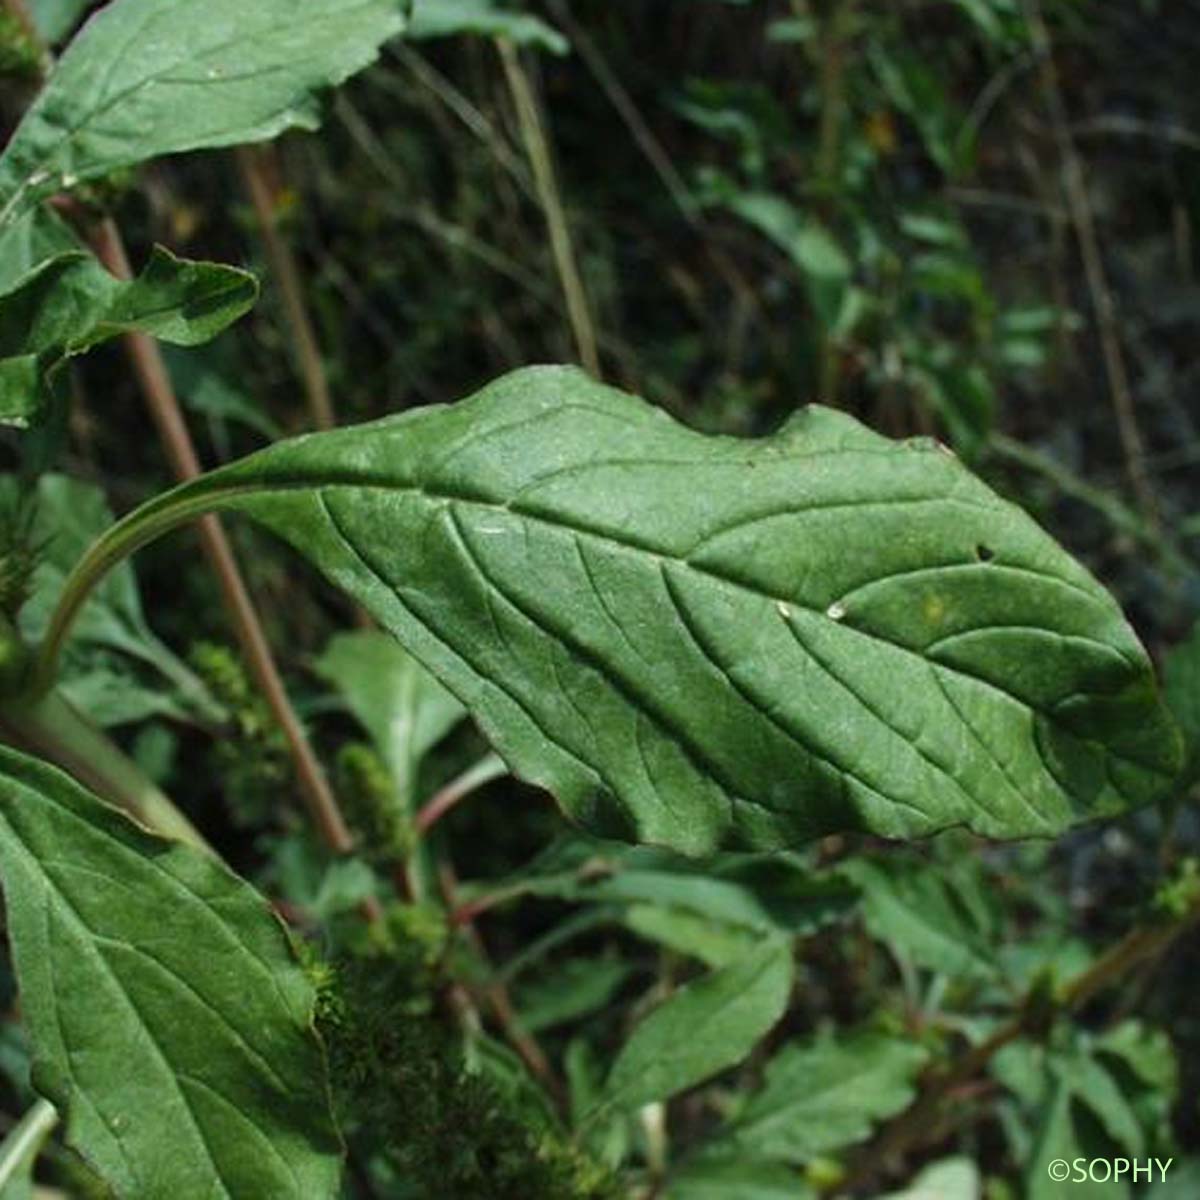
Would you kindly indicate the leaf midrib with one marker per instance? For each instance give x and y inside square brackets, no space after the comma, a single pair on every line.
[224,494]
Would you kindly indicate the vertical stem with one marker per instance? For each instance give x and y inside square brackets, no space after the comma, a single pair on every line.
[252,163]
[834,32]
[619,98]
[537,147]
[151,373]
[1075,186]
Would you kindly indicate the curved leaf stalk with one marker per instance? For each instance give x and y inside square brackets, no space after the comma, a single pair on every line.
[160,398]
[52,728]
[24,1140]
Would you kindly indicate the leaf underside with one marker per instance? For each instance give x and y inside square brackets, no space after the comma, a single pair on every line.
[706,641]
[171,1027]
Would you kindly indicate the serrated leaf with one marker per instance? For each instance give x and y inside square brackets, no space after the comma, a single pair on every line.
[571,990]
[916,909]
[453,18]
[144,78]
[171,1027]
[112,636]
[948,1179]
[1066,1131]
[396,700]
[826,1094]
[700,641]
[706,1027]
[70,303]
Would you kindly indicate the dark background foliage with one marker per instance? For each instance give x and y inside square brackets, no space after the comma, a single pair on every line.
[973,220]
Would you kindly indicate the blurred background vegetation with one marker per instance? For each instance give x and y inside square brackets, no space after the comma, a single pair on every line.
[969,219]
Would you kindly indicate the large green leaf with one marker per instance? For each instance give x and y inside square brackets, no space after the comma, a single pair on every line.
[151,77]
[67,304]
[824,1095]
[707,1026]
[701,640]
[171,1027]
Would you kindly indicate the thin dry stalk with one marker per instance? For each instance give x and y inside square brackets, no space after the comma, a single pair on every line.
[1079,206]
[155,383]
[537,147]
[255,165]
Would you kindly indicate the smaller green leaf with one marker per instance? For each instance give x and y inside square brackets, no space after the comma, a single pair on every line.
[1067,1131]
[826,1094]
[575,989]
[706,1027]
[714,943]
[811,247]
[919,912]
[395,699]
[948,1179]
[453,18]
[69,303]
[29,242]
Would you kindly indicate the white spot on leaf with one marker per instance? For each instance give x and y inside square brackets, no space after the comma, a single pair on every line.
[835,612]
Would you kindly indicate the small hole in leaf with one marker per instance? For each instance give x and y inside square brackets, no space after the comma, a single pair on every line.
[985,554]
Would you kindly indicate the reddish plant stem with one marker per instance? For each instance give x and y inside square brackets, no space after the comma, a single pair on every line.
[461,786]
[155,383]
[523,1042]
[254,163]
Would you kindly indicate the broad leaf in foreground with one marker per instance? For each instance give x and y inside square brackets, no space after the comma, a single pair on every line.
[144,78]
[171,1027]
[707,1026]
[70,303]
[703,641]
[824,1095]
